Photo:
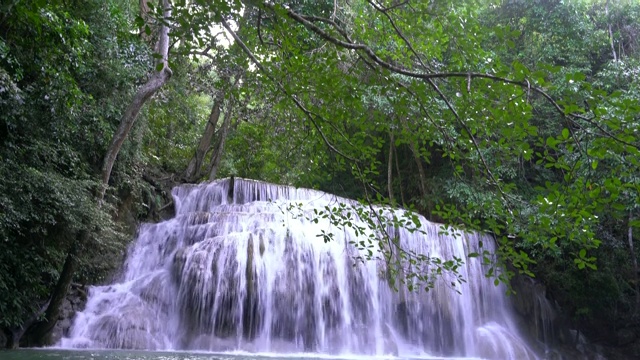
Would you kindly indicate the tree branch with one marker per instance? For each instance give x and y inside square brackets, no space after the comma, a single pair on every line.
[308,22]
[297,102]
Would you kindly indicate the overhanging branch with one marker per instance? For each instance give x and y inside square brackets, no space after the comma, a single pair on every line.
[347,43]
[295,100]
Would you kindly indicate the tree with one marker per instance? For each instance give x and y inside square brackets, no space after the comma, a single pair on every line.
[517,119]
[158,78]
[62,94]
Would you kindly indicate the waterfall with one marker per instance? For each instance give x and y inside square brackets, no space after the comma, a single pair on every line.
[244,266]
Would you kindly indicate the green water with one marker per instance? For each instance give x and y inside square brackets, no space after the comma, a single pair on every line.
[60,354]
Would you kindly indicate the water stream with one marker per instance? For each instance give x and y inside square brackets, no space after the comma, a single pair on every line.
[241,267]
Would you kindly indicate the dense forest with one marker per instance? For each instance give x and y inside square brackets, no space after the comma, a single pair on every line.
[517,118]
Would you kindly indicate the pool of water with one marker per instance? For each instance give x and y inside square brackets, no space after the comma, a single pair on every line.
[62,354]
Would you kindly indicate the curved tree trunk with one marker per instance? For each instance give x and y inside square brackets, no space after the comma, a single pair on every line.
[155,82]
[38,333]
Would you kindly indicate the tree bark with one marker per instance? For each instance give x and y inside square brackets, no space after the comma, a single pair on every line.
[634,262]
[192,172]
[399,177]
[144,14]
[613,48]
[416,157]
[421,174]
[12,336]
[216,157]
[390,169]
[38,333]
[155,82]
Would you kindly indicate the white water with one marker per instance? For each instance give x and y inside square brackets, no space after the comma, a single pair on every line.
[241,268]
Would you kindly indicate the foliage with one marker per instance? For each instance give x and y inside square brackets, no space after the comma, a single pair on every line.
[517,132]
[59,101]
[518,119]
[513,134]
[175,116]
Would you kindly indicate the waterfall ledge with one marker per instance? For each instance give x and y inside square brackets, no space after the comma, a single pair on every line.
[244,265]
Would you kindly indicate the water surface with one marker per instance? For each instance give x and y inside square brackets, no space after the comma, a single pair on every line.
[64,354]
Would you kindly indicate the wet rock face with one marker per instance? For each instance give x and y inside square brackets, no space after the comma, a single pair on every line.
[75,301]
[127,331]
[251,318]
[546,322]
[540,317]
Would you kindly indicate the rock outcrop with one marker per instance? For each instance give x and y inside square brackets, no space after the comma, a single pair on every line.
[75,301]
[545,321]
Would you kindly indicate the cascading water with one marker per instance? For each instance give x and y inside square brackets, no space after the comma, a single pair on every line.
[242,267]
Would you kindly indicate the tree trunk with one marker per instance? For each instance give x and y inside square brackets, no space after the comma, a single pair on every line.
[155,82]
[216,157]
[192,172]
[399,177]
[12,338]
[634,262]
[390,169]
[416,157]
[38,333]
[613,48]
[423,181]
[144,14]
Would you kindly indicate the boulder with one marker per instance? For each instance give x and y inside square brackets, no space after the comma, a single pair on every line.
[75,301]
